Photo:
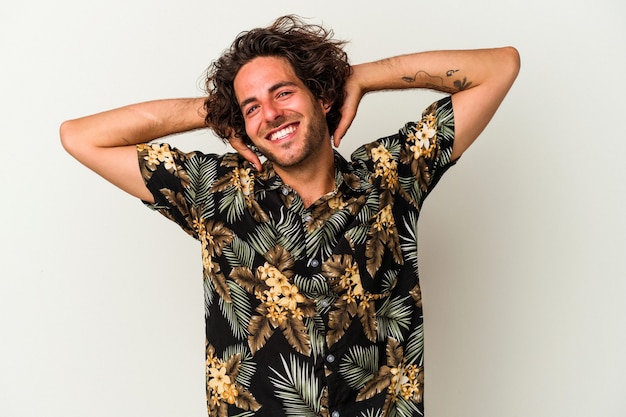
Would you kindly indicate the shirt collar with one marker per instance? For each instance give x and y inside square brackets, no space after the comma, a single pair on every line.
[345,176]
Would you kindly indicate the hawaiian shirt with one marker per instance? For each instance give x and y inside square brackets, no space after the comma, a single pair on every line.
[310,311]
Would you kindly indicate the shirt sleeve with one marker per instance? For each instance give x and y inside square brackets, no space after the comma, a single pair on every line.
[427,145]
[413,160]
[171,176]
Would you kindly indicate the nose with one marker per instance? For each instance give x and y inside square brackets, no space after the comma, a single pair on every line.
[271,112]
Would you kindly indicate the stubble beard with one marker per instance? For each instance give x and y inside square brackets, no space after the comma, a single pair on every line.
[313,143]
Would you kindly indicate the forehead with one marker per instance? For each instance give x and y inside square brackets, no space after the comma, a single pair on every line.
[261,74]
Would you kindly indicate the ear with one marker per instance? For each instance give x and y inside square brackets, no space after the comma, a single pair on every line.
[326,106]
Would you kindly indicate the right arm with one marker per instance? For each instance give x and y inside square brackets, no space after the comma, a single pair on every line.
[105,142]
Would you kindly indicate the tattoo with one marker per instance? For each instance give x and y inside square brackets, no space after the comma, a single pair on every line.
[462,85]
[437,83]
[424,74]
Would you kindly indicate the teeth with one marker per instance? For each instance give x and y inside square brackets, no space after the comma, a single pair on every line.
[282,133]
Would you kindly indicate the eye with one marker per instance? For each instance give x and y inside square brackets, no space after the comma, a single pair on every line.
[251,109]
[284,93]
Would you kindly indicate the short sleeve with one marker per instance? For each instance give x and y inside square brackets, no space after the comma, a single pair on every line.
[413,160]
[427,147]
[171,176]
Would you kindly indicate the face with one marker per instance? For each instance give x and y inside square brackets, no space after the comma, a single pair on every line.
[283,119]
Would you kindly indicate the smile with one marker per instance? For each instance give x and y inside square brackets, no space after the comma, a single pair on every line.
[282,133]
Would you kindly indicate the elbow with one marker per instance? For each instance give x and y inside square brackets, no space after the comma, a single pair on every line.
[67,134]
[512,59]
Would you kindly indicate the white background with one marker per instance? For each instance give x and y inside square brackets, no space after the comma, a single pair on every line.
[522,243]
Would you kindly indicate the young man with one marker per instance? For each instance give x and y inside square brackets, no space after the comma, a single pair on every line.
[313,304]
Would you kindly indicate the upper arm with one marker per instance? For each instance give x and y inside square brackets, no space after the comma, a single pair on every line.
[117,164]
[475,106]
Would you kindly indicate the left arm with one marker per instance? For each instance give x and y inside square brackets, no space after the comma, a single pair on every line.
[477,79]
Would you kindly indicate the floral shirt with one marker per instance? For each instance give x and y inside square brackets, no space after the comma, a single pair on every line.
[311,311]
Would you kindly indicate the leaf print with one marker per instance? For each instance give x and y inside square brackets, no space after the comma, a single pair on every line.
[377,384]
[322,240]
[414,349]
[416,294]
[394,352]
[316,330]
[374,250]
[281,303]
[215,279]
[237,312]
[344,277]
[382,234]
[177,200]
[222,183]
[209,295]
[371,413]
[259,330]
[239,253]
[222,387]
[201,172]
[402,381]
[237,186]
[394,318]
[339,320]
[385,167]
[409,241]
[213,236]
[258,279]
[247,367]
[298,388]
[233,204]
[218,236]
[246,401]
[367,315]
[296,334]
[281,259]
[244,277]
[359,365]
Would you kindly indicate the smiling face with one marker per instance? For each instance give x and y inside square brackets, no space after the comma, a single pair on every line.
[283,119]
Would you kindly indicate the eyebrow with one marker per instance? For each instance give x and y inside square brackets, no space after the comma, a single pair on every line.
[273,88]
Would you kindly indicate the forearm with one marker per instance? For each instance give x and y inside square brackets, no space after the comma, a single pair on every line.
[446,71]
[136,123]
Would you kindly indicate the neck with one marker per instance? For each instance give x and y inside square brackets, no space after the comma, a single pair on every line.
[310,181]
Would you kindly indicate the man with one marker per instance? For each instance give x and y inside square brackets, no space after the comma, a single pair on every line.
[312,297]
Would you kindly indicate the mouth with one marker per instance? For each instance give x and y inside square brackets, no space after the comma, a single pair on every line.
[281,133]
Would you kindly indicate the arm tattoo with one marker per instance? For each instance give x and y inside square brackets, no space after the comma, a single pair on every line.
[436,82]
[462,84]
[423,74]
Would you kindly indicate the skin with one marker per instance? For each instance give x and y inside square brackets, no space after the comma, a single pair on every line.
[477,79]
[287,124]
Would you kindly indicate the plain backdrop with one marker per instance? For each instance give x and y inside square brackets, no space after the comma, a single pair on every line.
[522,245]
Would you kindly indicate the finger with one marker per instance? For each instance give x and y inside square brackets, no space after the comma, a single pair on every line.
[342,128]
[348,113]
[243,150]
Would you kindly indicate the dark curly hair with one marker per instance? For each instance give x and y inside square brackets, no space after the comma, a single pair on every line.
[317,59]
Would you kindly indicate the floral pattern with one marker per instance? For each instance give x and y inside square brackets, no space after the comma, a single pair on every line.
[310,310]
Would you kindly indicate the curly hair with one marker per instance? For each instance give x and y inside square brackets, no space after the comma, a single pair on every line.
[318,60]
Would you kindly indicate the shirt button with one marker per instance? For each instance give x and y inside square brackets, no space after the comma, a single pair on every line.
[330,359]
[335,413]
[324,303]
[308,218]
[314,263]
[285,191]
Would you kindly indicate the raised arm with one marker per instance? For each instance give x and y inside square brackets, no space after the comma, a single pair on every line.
[105,142]
[477,79]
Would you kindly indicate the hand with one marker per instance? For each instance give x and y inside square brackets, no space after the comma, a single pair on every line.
[239,145]
[353,95]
